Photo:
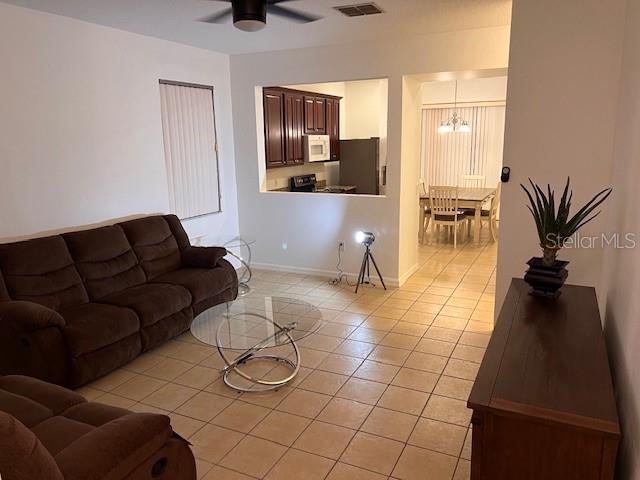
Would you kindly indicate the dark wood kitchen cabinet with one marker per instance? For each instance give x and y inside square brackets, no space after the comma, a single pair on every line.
[291,114]
[294,127]
[333,126]
[543,400]
[274,128]
[314,115]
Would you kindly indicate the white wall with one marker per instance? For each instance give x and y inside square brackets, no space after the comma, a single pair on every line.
[410,173]
[622,276]
[364,108]
[367,115]
[473,90]
[312,225]
[561,107]
[80,128]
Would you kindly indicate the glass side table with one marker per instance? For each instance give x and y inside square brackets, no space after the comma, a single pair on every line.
[239,249]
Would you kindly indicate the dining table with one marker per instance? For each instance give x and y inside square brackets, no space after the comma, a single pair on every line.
[468,198]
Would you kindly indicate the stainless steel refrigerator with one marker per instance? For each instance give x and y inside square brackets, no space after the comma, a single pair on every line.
[360,164]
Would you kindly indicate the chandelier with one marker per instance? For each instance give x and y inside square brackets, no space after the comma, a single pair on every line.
[455,123]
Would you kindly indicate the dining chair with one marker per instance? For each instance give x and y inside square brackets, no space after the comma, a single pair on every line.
[491,215]
[445,211]
[474,181]
[422,187]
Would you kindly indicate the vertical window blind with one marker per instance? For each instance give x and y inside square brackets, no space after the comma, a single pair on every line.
[447,158]
[190,149]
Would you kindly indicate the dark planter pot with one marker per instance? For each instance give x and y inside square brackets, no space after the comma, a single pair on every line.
[545,281]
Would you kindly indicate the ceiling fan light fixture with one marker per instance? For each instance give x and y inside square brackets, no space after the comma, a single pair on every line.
[249,15]
[249,25]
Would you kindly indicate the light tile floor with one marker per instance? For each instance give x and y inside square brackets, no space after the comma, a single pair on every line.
[382,392]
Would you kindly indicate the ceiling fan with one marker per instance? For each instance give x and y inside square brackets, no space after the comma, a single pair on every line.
[251,15]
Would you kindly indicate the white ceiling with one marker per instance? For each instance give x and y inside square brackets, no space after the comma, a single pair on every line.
[176,20]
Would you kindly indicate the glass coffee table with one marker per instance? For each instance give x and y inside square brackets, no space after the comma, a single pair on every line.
[258,328]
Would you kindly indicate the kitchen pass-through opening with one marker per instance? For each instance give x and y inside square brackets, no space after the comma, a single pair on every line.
[323,137]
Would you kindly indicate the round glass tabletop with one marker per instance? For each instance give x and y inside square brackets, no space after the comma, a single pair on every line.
[256,321]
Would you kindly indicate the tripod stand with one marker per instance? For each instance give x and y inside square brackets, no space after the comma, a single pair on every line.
[365,269]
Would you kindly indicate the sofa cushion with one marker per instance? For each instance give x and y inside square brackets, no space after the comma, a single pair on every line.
[29,412]
[95,325]
[57,433]
[151,302]
[22,456]
[95,414]
[105,259]
[92,365]
[42,271]
[175,225]
[201,282]
[154,244]
[53,397]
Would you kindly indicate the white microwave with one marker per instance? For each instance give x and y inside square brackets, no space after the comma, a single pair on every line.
[317,148]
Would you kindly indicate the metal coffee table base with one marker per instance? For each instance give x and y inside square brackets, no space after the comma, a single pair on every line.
[244,277]
[253,353]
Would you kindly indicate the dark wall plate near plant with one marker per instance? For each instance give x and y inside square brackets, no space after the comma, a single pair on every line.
[546,274]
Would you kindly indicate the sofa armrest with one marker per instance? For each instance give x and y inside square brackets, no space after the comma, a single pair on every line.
[29,316]
[202,257]
[116,448]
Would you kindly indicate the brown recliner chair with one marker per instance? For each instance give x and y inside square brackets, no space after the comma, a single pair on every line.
[50,433]
[77,306]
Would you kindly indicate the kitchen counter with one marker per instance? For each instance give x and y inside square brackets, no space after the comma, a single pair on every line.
[336,189]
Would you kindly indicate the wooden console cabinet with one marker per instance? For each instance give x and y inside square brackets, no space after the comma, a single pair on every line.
[289,115]
[543,402]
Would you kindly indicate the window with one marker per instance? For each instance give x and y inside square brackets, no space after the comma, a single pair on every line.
[447,158]
[190,149]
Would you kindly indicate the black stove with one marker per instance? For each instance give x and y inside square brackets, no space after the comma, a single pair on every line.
[303,183]
[307,183]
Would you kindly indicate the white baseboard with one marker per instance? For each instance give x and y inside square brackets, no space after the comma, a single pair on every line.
[405,276]
[389,281]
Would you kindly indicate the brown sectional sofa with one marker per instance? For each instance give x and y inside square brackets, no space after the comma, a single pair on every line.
[50,433]
[76,306]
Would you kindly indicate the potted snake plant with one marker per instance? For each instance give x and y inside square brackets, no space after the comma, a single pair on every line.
[555,227]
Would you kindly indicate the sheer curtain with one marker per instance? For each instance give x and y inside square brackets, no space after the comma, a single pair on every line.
[191,159]
[446,158]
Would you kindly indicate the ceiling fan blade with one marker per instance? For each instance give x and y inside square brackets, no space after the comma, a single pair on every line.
[290,14]
[273,2]
[220,17]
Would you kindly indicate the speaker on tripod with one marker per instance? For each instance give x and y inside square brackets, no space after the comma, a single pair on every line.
[367,239]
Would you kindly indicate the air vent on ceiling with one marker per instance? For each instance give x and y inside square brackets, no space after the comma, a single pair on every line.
[359,9]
